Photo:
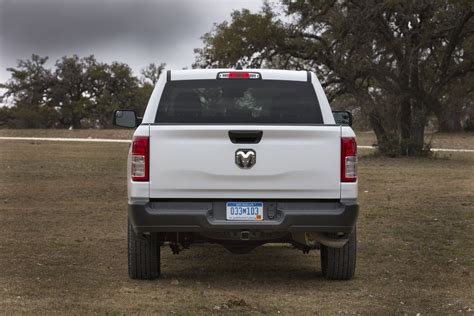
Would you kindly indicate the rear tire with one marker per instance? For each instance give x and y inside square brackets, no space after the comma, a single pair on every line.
[143,255]
[340,263]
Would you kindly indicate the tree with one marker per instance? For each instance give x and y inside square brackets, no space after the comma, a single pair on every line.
[456,98]
[152,72]
[122,91]
[80,92]
[393,58]
[28,89]
[71,89]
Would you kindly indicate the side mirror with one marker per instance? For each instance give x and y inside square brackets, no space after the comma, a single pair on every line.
[125,118]
[342,117]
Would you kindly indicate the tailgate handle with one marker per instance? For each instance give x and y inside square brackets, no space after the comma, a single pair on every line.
[245,137]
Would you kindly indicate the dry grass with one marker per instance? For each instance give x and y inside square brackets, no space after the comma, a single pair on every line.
[437,140]
[79,133]
[63,243]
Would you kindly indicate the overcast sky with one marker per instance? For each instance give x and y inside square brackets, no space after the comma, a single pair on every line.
[136,32]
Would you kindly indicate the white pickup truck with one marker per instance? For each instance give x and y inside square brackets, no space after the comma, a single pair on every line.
[241,158]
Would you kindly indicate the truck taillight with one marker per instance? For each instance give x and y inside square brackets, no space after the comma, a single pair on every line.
[348,159]
[238,75]
[140,158]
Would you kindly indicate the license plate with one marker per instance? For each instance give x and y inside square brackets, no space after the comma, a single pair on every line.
[244,211]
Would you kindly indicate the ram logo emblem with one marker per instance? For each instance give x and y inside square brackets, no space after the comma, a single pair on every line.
[245,158]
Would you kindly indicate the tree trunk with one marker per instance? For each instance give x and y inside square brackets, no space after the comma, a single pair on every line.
[415,145]
[449,118]
[417,130]
[405,125]
[387,141]
[405,110]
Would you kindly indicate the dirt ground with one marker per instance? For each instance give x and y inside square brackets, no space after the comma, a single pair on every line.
[63,243]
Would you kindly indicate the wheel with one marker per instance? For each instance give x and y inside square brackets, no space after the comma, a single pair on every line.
[143,256]
[339,263]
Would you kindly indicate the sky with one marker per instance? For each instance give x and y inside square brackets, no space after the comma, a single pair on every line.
[136,32]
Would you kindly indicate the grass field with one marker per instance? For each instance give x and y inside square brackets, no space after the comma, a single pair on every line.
[63,243]
[437,140]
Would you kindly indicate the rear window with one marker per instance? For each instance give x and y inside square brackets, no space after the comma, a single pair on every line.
[239,101]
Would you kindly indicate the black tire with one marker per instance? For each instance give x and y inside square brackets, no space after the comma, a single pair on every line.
[340,263]
[143,256]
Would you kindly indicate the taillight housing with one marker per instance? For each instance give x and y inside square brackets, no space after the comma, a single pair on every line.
[140,167]
[348,159]
[238,75]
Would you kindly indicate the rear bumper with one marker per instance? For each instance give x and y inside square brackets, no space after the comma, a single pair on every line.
[210,216]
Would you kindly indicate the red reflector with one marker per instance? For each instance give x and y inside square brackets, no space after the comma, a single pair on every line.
[140,158]
[348,159]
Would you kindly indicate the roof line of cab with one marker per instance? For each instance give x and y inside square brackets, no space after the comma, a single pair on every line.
[268,74]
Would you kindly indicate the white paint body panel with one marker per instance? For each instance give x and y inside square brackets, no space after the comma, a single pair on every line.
[197,161]
[326,111]
[152,106]
[293,162]
[267,74]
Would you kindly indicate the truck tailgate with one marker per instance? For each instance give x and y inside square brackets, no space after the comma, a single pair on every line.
[198,161]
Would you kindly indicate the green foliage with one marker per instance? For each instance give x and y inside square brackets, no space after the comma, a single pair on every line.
[28,91]
[152,72]
[396,60]
[79,93]
[249,39]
